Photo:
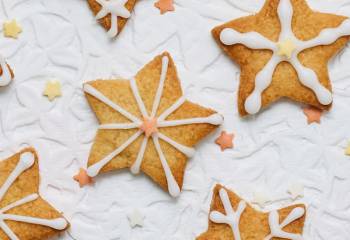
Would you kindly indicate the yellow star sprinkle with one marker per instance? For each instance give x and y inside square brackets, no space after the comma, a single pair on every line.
[12,29]
[52,89]
[347,150]
[286,48]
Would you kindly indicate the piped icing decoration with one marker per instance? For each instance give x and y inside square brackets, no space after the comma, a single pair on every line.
[6,77]
[25,162]
[276,227]
[286,49]
[232,217]
[117,9]
[148,127]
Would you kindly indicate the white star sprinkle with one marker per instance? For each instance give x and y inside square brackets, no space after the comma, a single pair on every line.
[136,218]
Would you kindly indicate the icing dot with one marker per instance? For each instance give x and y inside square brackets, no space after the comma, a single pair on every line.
[27,159]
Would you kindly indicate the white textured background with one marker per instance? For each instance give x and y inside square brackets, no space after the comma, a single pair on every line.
[276,148]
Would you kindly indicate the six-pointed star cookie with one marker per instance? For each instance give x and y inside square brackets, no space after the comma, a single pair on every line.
[147,124]
[112,14]
[231,218]
[283,51]
[6,73]
[23,213]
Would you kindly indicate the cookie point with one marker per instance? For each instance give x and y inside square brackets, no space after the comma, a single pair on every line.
[27,159]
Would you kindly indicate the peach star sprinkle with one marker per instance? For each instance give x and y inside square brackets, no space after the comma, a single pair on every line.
[225,140]
[313,114]
[149,126]
[12,29]
[165,6]
[82,178]
[52,90]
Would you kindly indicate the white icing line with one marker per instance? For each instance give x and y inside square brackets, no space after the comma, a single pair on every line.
[276,228]
[97,94]
[188,151]
[306,76]
[172,109]
[115,8]
[26,161]
[157,98]
[215,119]
[173,187]
[5,78]
[138,98]
[231,218]
[25,200]
[8,231]
[94,169]
[113,126]
[58,223]
[135,168]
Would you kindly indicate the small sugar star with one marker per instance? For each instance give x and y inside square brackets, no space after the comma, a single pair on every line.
[286,48]
[136,218]
[313,114]
[149,126]
[296,190]
[260,198]
[12,29]
[52,90]
[225,140]
[165,6]
[347,150]
[82,178]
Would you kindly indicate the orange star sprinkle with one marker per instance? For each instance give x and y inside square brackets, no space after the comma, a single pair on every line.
[82,178]
[313,114]
[149,126]
[165,6]
[225,140]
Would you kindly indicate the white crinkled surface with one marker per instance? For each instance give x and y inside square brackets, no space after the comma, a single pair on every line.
[273,150]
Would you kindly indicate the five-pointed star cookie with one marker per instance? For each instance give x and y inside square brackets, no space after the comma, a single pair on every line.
[231,218]
[112,14]
[147,124]
[23,213]
[6,73]
[283,51]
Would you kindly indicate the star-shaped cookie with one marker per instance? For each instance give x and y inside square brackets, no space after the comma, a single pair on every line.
[283,51]
[6,73]
[231,218]
[23,213]
[147,124]
[112,14]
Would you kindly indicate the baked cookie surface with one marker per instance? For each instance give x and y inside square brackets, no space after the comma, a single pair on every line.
[283,51]
[147,124]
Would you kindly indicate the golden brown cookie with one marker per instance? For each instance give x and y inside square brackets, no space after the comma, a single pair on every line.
[23,213]
[6,73]
[147,124]
[231,218]
[282,54]
[112,14]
